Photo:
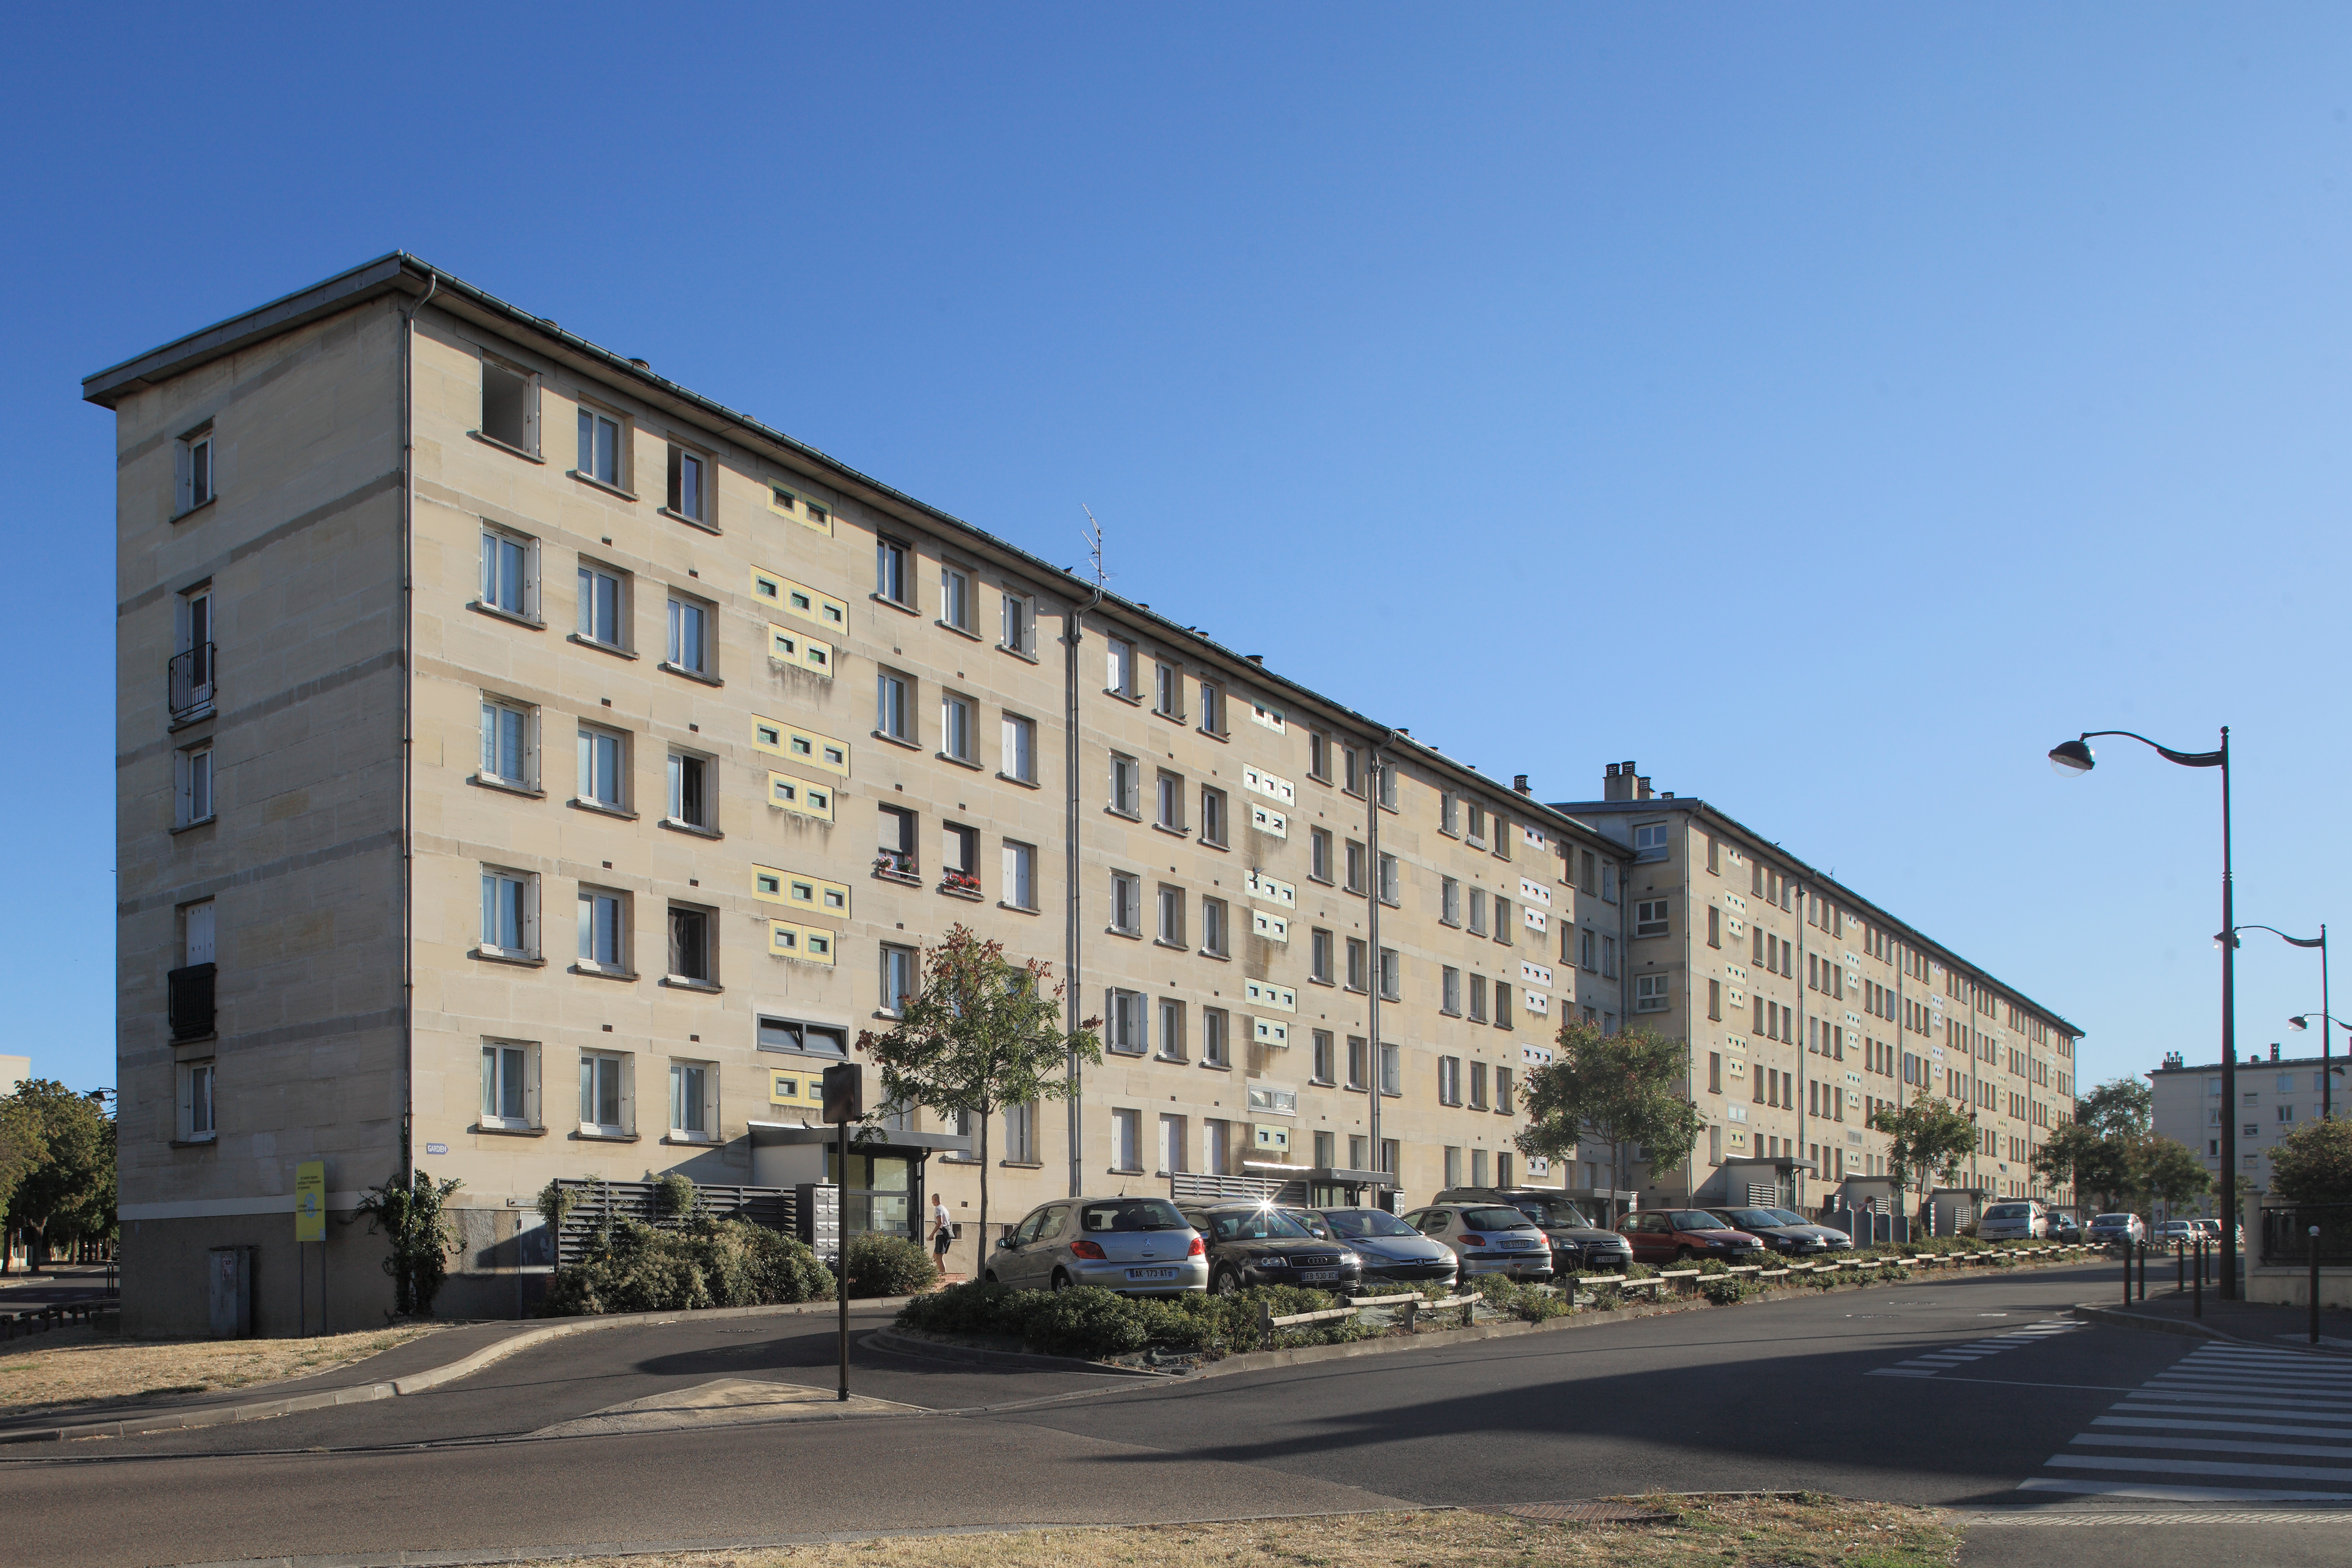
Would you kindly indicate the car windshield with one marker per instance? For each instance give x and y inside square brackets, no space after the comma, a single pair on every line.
[1257,1225]
[1697,1219]
[2007,1211]
[1565,1215]
[1788,1217]
[1130,1214]
[1354,1223]
[2113,1219]
[1495,1219]
[1756,1219]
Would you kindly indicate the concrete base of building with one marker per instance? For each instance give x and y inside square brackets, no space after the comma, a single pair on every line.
[2289,1287]
[166,1285]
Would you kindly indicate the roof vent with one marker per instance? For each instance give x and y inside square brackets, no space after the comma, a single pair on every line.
[1520,782]
[642,364]
[1253,658]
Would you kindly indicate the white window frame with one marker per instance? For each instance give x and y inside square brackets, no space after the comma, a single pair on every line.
[1171,1029]
[897,977]
[1119,673]
[510,1078]
[708,958]
[1215,816]
[894,560]
[509,580]
[526,439]
[691,645]
[604,913]
[508,892]
[196,784]
[703,766]
[894,705]
[958,736]
[1126,1027]
[1167,689]
[957,592]
[693,1098]
[1652,916]
[1020,875]
[604,764]
[595,422]
[1125,785]
[1020,624]
[1126,903]
[598,1071]
[199,1102]
[1174,1135]
[1216,932]
[1169,914]
[197,630]
[510,735]
[1216,1038]
[1212,708]
[197,470]
[591,579]
[1019,757]
[1126,1135]
[1168,801]
[690,487]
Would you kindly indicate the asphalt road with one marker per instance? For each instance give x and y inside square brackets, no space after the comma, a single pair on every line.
[1952,1392]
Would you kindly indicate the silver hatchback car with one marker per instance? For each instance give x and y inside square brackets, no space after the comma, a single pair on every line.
[1140,1246]
[1489,1238]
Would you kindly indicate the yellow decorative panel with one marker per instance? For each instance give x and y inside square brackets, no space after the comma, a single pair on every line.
[800,796]
[790,648]
[813,893]
[799,599]
[803,746]
[810,945]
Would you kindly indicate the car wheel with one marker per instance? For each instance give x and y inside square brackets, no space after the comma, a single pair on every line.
[989,1278]
[1228,1282]
[1061,1280]
[1682,1255]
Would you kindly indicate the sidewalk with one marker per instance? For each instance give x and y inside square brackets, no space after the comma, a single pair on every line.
[2250,1322]
[65,1282]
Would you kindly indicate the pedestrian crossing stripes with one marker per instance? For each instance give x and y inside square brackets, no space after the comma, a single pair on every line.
[1928,1365]
[2224,1424]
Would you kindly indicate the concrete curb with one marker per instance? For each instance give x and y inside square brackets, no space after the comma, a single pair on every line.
[911,1342]
[416,1383]
[2120,1319]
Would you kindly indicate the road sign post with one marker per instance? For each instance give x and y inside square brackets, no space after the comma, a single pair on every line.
[310,1225]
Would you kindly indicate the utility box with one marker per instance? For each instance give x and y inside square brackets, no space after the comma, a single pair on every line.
[229,1275]
[816,1210]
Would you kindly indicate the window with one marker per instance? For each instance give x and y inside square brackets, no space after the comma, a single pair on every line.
[1713,926]
[890,580]
[690,795]
[1172,915]
[1504,1104]
[194,461]
[1388,879]
[1478,998]
[1351,770]
[1212,708]
[1502,1005]
[896,855]
[1588,949]
[893,715]
[1020,624]
[1391,975]
[1650,992]
[1502,920]
[1170,803]
[1478,1085]
[1714,1000]
[1449,1092]
[1212,816]
[1318,956]
[510,407]
[193,768]
[1020,875]
[1168,690]
[1118,676]
[1609,881]
[510,1084]
[1477,824]
[1449,896]
[1609,958]
[604,930]
[689,484]
[691,930]
[603,606]
[601,447]
[1123,1023]
[1126,1142]
[1213,932]
[956,739]
[1319,854]
[1650,918]
[603,1094]
[955,596]
[1019,760]
[693,1110]
[897,966]
[1449,813]
[1020,1133]
[197,1125]
[1126,903]
[1650,841]
[509,913]
[1125,785]
[1388,790]
[1171,1029]
[1477,911]
[1357,955]
[509,580]
[507,752]
[1326,1063]
[1318,756]
[1355,867]
[1216,1035]
[603,768]
[191,669]
[689,635]
[1356,1079]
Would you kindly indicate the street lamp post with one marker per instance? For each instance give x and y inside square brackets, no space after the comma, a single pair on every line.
[2319,942]
[2075,758]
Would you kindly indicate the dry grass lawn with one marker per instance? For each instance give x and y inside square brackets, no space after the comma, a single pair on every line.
[80,1366]
[1813,1531]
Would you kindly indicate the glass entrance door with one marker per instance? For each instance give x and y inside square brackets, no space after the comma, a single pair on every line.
[880,1193]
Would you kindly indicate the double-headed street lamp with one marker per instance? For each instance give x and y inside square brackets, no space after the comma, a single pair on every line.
[2327,1098]
[2075,758]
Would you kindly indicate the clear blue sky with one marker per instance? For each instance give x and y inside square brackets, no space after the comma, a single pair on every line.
[1873,396]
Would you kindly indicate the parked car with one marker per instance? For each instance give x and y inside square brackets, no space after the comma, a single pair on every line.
[1254,1244]
[2065,1227]
[1392,1251]
[1576,1241]
[2026,1221]
[1677,1236]
[2211,1229]
[1786,1231]
[2174,1233]
[2114,1229]
[1489,1238]
[1140,1246]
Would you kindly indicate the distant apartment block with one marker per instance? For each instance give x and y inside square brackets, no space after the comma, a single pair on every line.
[2274,1097]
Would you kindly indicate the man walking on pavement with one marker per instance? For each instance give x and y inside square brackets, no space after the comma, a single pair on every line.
[942,1231]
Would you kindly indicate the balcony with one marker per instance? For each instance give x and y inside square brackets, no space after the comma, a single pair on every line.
[189,1000]
[899,866]
[191,681]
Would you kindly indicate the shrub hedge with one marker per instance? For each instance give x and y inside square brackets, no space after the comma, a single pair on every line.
[881,1265]
[1089,1322]
[632,1266]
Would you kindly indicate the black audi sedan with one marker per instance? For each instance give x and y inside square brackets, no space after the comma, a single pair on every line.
[1786,1231]
[1255,1243]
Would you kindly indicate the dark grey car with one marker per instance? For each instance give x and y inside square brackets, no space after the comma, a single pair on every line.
[1576,1241]
[1786,1231]
[1392,1251]
[1254,1244]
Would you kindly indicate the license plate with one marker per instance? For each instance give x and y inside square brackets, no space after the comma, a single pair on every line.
[1318,1276]
[1152,1273]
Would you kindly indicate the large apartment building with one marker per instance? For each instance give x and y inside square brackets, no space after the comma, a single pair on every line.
[1808,1008]
[2275,1097]
[529,768]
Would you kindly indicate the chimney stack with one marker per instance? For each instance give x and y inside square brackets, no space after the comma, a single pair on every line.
[1520,782]
[1617,782]
[2274,1050]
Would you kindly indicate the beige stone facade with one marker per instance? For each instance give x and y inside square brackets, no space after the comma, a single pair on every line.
[543,771]
[1808,1008]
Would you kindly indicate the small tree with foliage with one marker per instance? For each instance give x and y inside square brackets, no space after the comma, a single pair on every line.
[412,1216]
[2313,1165]
[980,1033]
[60,1154]
[1930,1137]
[2103,1166]
[2119,1107]
[2170,1171]
[1628,1089]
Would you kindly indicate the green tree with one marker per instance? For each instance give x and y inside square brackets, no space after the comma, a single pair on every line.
[1624,1090]
[1931,1137]
[2098,1165]
[2118,1107]
[980,1033]
[62,1156]
[2313,1165]
[412,1216]
[2171,1171]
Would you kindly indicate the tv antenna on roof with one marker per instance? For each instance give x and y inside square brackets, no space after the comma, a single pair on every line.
[1092,534]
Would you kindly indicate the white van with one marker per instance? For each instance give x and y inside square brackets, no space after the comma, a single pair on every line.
[2026,1221]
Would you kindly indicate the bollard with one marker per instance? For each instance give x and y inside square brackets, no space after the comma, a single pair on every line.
[2315,1284]
[2126,1274]
[2179,1266]
[2197,1283]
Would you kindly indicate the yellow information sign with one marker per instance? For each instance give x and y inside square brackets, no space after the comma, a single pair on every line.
[311,1201]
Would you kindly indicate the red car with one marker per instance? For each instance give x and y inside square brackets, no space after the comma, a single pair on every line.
[1667,1237]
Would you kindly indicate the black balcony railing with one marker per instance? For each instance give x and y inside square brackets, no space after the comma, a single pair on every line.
[191,680]
[189,1000]
[2286,1233]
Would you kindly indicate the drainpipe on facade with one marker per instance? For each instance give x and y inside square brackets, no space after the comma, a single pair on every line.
[1804,1016]
[408,730]
[1376,1055]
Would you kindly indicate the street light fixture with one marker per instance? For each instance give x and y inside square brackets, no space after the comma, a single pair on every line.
[2303,1021]
[2073,759]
